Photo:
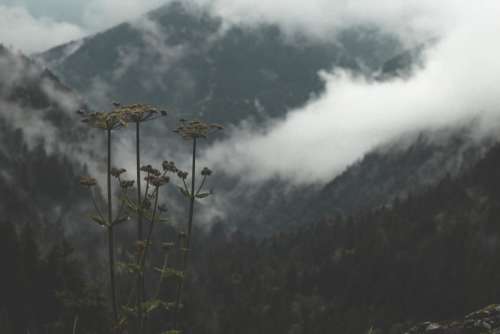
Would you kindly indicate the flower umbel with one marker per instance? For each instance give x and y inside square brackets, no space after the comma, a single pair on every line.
[196,129]
[88,181]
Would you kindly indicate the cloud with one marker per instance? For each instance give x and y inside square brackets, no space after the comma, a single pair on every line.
[18,28]
[459,81]
[101,14]
[32,26]
[411,19]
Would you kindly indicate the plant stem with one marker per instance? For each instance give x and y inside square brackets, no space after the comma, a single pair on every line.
[150,232]
[140,281]
[138,165]
[160,282]
[111,235]
[191,204]
[180,286]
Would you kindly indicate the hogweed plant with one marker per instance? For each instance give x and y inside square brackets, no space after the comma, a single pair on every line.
[107,121]
[191,131]
[137,114]
[145,205]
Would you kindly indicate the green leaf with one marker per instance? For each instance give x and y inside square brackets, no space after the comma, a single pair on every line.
[98,220]
[203,195]
[169,272]
[120,220]
[184,192]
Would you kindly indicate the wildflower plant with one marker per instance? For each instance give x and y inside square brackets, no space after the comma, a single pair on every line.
[191,131]
[107,121]
[137,114]
[145,205]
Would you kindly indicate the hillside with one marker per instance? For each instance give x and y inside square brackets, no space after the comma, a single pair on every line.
[43,148]
[203,70]
[430,257]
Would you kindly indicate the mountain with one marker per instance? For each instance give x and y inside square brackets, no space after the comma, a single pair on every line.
[43,148]
[183,58]
[429,257]
[397,170]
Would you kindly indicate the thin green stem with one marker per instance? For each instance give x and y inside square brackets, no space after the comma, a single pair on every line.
[95,204]
[180,286]
[163,268]
[142,270]
[111,235]
[140,282]
[201,185]
[150,231]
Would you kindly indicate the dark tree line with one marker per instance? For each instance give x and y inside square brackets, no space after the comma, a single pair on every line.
[44,292]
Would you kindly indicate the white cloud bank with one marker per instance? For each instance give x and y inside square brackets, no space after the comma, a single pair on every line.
[29,26]
[460,80]
[19,29]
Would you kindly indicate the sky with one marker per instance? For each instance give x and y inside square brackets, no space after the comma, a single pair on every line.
[41,24]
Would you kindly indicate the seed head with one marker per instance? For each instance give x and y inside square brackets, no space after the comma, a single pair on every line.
[126,184]
[157,181]
[104,120]
[206,171]
[169,166]
[182,175]
[196,129]
[134,113]
[87,181]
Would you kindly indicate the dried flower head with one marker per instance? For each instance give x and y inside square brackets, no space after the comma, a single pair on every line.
[169,166]
[104,120]
[157,181]
[134,113]
[116,172]
[196,129]
[87,181]
[146,168]
[206,171]
[150,170]
[182,175]
[126,184]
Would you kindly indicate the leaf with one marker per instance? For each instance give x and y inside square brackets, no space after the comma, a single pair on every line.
[120,220]
[130,267]
[131,205]
[184,192]
[98,220]
[203,195]
[169,272]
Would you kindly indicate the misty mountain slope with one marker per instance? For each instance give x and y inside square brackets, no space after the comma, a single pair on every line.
[43,148]
[394,171]
[182,57]
[429,257]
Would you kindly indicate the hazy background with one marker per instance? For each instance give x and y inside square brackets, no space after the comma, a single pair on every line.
[457,79]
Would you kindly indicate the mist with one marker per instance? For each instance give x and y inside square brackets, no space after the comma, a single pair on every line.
[458,81]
